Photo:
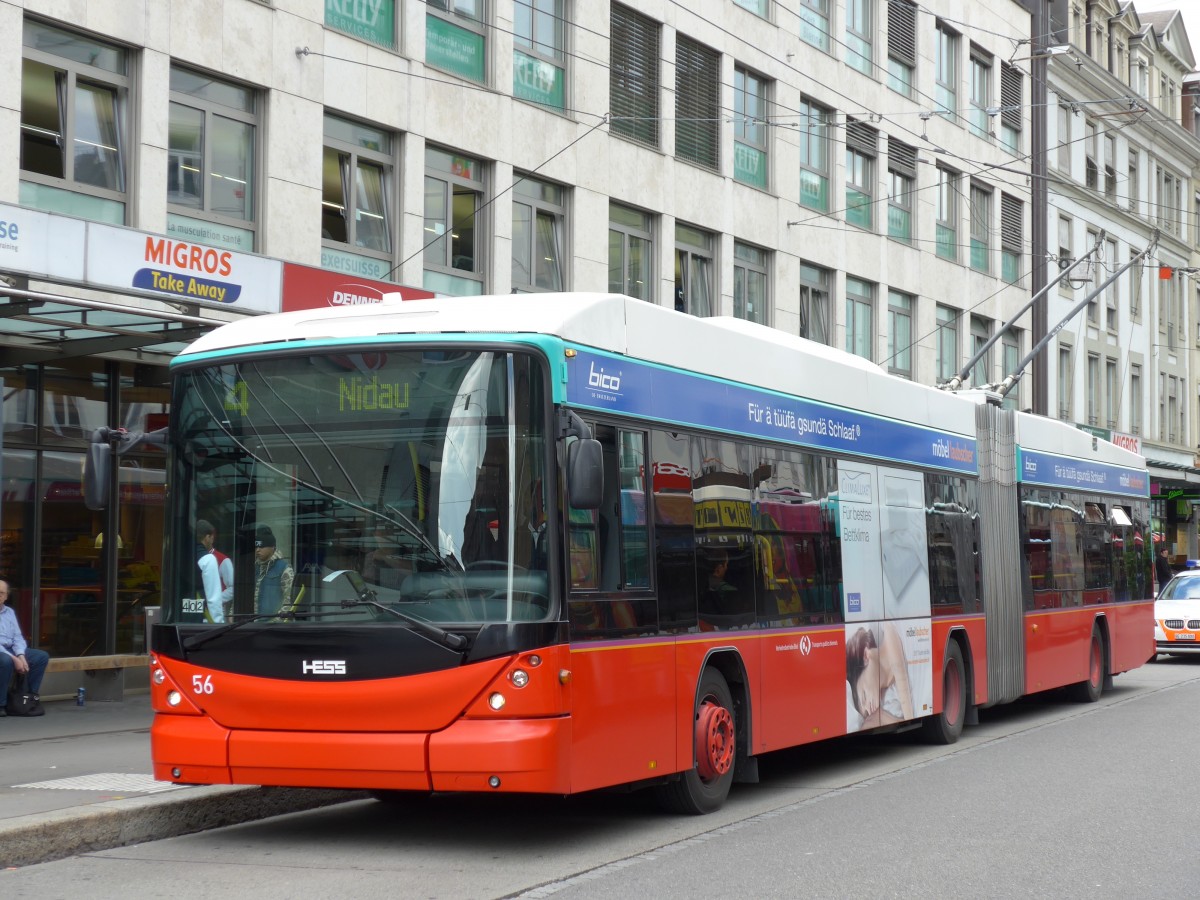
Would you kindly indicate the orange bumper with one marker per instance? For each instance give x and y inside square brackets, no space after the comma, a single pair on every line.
[514,755]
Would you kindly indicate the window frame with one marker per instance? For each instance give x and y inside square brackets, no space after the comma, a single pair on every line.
[210,110]
[745,267]
[947,214]
[635,80]
[945,69]
[118,85]
[688,253]
[349,155]
[981,230]
[860,30]
[540,208]
[450,181]
[629,232]
[816,24]
[473,23]
[902,308]
[980,94]
[697,103]
[532,46]
[751,131]
[814,139]
[946,342]
[816,293]
[860,317]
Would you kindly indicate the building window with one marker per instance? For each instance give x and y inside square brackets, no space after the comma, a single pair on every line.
[861,149]
[858,35]
[947,215]
[630,252]
[1093,389]
[694,270]
[1011,348]
[750,297]
[1135,399]
[981,91]
[356,186]
[373,22]
[74,124]
[1011,106]
[947,343]
[456,38]
[750,117]
[814,155]
[1135,288]
[945,95]
[697,102]
[1112,393]
[1132,185]
[814,23]
[758,7]
[1093,239]
[1012,216]
[539,217]
[1065,388]
[1110,168]
[212,135]
[1091,169]
[981,230]
[981,332]
[902,177]
[540,52]
[454,192]
[814,304]
[860,329]
[899,336]
[1112,294]
[1066,255]
[1064,138]
[633,82]
[902,45]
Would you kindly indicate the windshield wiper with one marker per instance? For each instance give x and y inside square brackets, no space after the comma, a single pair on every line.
[421,626]
[197,640]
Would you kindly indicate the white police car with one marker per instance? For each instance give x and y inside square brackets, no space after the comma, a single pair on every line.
[1177,614]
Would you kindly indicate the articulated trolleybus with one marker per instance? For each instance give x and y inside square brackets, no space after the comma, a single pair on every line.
[558,543]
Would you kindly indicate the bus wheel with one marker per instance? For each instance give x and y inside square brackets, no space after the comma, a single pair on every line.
[1090,689]
[946,726]
[704,788]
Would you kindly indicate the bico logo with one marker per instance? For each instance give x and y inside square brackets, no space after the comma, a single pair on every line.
[602,380]
[805,645]
[324,667]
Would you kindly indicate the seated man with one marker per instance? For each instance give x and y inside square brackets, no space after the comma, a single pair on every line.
[17,657]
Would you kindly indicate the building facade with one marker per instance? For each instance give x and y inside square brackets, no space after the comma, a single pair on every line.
[1123,168]
[853,171]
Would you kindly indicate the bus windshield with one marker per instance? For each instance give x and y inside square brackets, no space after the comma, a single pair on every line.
[396,486]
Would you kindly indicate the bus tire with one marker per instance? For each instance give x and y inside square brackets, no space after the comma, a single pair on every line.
[1090,689]
[703,788]
[946,726]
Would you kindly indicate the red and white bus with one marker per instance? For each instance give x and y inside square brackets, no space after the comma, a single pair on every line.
[557,543]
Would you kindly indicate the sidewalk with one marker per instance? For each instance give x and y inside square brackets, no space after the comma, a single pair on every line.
[78,779]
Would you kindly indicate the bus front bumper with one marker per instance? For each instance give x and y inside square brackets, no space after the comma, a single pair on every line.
[483,755]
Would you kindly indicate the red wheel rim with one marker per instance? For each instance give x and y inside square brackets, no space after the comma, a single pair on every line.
[715,742]
[952,694]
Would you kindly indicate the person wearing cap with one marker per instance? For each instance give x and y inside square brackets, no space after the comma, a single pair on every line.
[210,575]
[273,575]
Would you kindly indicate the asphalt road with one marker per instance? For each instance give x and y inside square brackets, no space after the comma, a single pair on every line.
[1044,798]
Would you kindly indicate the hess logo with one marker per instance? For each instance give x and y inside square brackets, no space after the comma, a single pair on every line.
[324,667]
[598,378]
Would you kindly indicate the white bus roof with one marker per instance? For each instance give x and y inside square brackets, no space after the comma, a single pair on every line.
[722,347]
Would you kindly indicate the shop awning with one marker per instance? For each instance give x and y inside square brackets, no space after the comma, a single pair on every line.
[40,327]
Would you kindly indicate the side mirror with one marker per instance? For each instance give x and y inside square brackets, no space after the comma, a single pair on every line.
[97,467]
[585,473]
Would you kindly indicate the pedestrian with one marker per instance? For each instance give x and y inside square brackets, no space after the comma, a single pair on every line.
[273,575]
[1162,567]
[210,572]
[17,657]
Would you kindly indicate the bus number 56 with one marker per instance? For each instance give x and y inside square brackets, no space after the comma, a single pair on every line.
[202,684]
